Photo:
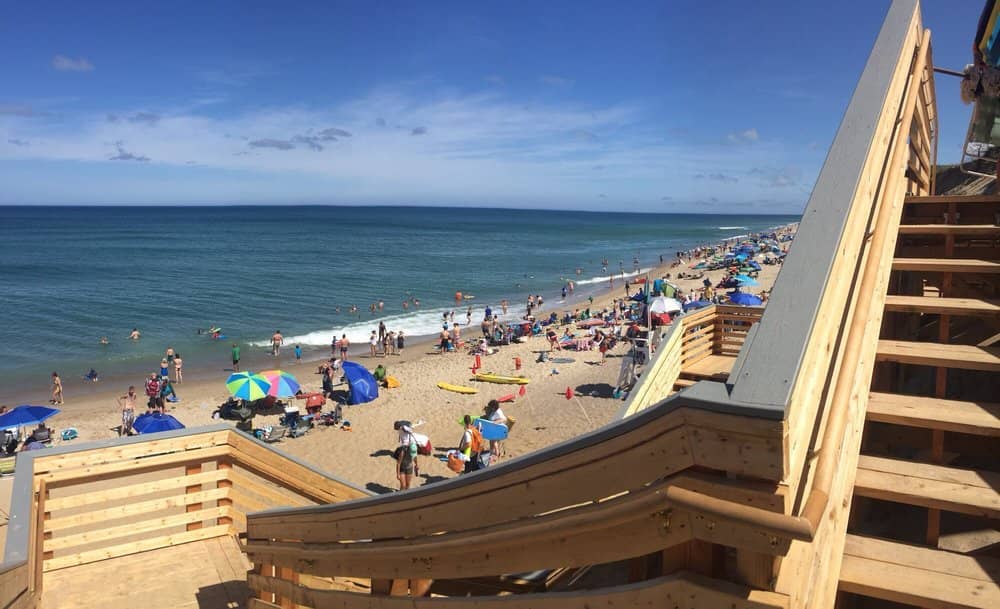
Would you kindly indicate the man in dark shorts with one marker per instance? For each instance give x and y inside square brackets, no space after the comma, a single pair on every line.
[236,357]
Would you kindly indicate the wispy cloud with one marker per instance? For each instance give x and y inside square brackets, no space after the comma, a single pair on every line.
[717,177]
[555,81]
[147,118]
[748,135]
[495,79]
[18,142]
[778,177]
[125,155]
[70,64]
[418,131]
[272,143]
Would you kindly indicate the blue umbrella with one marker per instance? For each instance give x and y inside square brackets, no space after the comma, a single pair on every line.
[153,422]
[754,265]
[696,304]
[26,415]
[742,298]
[745,280]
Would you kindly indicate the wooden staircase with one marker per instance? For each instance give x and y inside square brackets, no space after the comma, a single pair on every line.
[934,396]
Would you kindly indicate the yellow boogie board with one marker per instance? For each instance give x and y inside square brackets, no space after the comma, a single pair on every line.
[489,377]
[392,382]
[457,388]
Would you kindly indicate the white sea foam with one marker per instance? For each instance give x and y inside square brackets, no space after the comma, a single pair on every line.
[422,322]
[731,227]
[604,279]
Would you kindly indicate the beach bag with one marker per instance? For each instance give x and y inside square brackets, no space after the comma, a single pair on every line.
[455,462]
[510,423]
[423,444]
[478,444]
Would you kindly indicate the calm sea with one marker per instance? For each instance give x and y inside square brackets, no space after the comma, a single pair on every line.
[69,275]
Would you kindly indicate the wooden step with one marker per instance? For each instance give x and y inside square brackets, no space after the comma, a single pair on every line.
[965,357]
[940,487]
[945,265]
[947,306]
[682,383]
[980,418]
[971,230]
[959,199]
[919,576]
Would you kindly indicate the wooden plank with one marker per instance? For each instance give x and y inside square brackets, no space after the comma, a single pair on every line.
[945,265]
[94,472]
[930,486]
[127,452]
[958,199]
[681,590]
[134,547]
[965,357]
[225,466]
[310,483]
[276,497]
[133,528]
[133,509]
[980,418]
[192,469]
[919,576]
[990,231]
[14,582]
[936,305]
[89,497]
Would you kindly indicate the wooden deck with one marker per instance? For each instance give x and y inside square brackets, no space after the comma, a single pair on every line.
[714,367]
[206,574]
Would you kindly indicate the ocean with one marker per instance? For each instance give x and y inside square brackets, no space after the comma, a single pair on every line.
[70,275]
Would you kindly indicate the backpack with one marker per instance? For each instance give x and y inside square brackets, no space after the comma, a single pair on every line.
[477,444]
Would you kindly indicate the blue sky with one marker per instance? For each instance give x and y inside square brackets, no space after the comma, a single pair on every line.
[644,106]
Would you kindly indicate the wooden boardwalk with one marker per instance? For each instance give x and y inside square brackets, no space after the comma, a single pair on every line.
[206,574]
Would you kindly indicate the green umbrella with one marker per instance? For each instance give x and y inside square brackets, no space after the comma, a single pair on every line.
[247,386]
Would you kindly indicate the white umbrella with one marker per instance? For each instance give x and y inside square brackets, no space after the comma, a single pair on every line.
[662,304]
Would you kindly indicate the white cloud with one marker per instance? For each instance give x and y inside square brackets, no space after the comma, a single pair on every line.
[69,64]
[749,135]
[486,145]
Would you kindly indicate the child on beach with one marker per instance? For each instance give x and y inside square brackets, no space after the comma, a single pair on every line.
[399,343]
[298,354]
[373,344]
[236,357]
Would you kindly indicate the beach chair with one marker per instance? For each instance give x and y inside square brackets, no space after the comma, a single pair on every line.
[271,434]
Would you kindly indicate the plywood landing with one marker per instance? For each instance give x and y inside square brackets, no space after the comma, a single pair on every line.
[716,367]
[205,575]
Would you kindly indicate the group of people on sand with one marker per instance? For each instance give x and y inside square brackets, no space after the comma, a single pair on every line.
[382,342]
[473,452]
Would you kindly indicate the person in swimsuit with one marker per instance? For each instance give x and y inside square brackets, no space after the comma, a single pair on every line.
[276,341]
[127,402]
[178,368]
[344,344]
[134,334]
[399,343]
[57,389]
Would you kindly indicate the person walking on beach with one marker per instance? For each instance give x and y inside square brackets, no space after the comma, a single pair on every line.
[57,389]
[381,331]
[470,445]
[236,357]
[399,343]
[152,392]
[344,344]
[127,402]
[373,344]
[170,355]
[298,354]
[276,341]
[406,462]
[178,368]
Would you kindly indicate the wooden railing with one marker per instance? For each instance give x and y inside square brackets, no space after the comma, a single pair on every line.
[115,498]
[714,330]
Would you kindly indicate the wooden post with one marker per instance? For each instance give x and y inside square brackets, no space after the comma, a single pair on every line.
[381,587]
[287,574]
[266,570]
[755,569]
[190,470]
[225,464]
[38,539]
[43,496]
[420,587]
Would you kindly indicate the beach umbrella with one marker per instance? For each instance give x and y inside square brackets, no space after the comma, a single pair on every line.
[283,384]
[742,298]
[662,304]
[26,415]
[153,422]
[247,386]
[744,280]
[696,304]
[754,265]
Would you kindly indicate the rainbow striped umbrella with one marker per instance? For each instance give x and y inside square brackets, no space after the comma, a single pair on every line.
[283,384]
[247,386]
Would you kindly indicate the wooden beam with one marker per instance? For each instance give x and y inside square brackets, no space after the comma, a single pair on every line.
[935,305]
[979,418]
[134,528]
[91,497]
[965,357]
[133,509]
[225,466]
[957,199]
[944,265]
[990,231]
[192,469]
[108,470]
[134,547]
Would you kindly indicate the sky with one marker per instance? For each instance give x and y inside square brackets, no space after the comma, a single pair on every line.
[671,106]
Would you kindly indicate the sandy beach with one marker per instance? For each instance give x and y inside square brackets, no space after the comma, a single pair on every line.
[363,455]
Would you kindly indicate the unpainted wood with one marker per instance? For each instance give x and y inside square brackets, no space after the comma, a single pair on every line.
[134,547]
[979,418]
[966,357]
[132,509]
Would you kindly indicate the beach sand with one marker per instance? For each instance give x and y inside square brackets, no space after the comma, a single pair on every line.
[363,456]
